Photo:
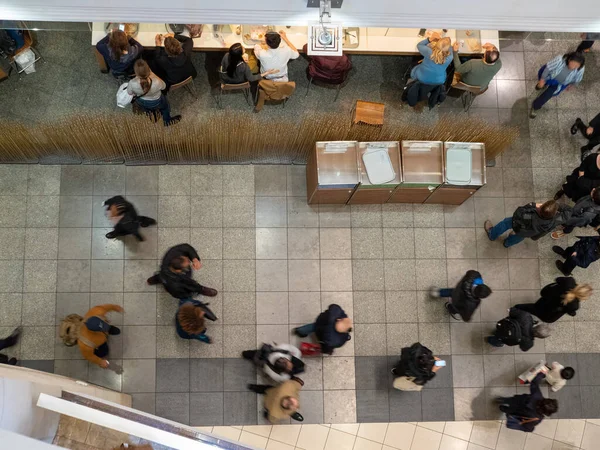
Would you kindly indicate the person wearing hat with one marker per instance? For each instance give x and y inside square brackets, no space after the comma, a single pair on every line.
[281,401]
[94,332]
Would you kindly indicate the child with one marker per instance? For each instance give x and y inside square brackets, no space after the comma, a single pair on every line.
[558,375]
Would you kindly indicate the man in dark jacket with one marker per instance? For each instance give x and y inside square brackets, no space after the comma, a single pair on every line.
[585,212]
[332,329]
[518,328]
[581,254]
[126,218]
[176,273]
[173,62]
[465,297]
[525,411]
[591,132]
[534,220]
[10,341]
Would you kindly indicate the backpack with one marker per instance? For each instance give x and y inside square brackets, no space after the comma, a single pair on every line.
[509,331]
[417,362]
[69,329]
[523,218]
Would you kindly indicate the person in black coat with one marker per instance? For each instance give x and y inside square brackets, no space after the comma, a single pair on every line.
[557,299]
[527,410]
[586,211]
[465,297]
[173,62]
[332,328]
[10,341]
[581,254]
[518,328]
[582,180]
[126,219]
[591,132]
[176,274]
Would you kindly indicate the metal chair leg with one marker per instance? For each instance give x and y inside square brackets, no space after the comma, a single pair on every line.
[467,100]
[337,94]
[191,89]
[308,87]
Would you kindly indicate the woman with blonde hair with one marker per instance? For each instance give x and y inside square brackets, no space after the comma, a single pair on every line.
[557,299]
[437,55]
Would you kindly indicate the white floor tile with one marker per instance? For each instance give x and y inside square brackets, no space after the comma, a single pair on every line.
[365,444]
[426,439]
[373,431]
[433,426]
[547,428]
[288,434]
[312,437]
[570,431]
[460,430]
[350,428]
[537,442]
[591,437]
[510,439]
[261,430]
[274,445]
[400,435]
[452,443]
[338,440]
[227,432]
[485,433]
[253,439]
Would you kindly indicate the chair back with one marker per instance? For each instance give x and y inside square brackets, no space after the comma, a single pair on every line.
[181,83]
[458,84]
[329,69]
[235,87]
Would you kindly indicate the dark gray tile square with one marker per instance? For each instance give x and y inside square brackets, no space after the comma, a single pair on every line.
[39,364]
[172,375]
[271,212]
[569,402]
[109,180]
[572,360]
[105,378]
[145,402]
[405,406]
[372,406]
[75,211]
[174,407]
[107,276]
[586,370]
[77,369]
[206,409]
[371,372]
[76,180]
[206,375]
[443,377]
[42,211]
[590,402]
[237,374]
[239,408]
[438,405]
[139,375]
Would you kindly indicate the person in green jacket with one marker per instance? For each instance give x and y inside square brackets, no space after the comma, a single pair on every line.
[478,72]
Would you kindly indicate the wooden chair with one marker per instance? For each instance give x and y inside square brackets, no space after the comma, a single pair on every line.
[469,92]
[188,84]
[28,45]
[244,87]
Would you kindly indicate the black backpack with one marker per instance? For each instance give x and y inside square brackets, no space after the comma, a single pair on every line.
[416,361]
[523,218]
[509,331]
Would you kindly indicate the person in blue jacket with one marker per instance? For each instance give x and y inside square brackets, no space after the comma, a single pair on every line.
[332,328]
[120,52]
[581,254]
[437,55]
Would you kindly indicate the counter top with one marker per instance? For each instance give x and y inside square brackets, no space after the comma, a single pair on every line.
[393,41]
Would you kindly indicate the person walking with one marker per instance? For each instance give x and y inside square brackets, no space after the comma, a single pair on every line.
[518,328]
[190,323]
[176,274]
[557,299]
[465,297]
[280,362]
[533,220]
[559,74]
[558,375]
[332,328]
[416,367]
[281,401]
[582,180]
[585,212]
[525,411]
[93,334]
[581,254]
[125,217]
[8,342]
[591,132]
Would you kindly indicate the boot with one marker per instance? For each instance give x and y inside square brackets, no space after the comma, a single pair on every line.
[559,194]
[208,292]
[297,417]
[114,331]
[174,120]
[111,235]
[560,266]
[576,126]
[559,251]
[146,221]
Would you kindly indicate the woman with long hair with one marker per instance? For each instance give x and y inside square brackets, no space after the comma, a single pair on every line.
[235,69]
[437,55]
[559,74]
[120,52]
[147,88]
[190,322]
[557,299]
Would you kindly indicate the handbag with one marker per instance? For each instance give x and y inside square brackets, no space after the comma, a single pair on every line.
[308,349]
[407,384]
[124,98]
[517,422]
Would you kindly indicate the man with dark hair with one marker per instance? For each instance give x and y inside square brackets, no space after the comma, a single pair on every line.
[525,411]
[281,401]
[518,328]
[176,274]
[274,56]
[585,212]
[465,297]
[533,220]
[558,375]
[125,217]
[10,341]
[591,132]
[332,328]
[280,362]
[478,72]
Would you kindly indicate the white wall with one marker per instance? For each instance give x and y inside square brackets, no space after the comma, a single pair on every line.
[526,15]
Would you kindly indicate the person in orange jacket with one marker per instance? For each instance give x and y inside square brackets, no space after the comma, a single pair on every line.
[94,332]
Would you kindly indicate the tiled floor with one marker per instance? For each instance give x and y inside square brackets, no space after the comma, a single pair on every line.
[562,434]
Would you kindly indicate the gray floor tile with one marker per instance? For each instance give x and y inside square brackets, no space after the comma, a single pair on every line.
[272,333]
[238,212]
[430,243]
[209,210]
[590,402]
[12,280]
[303,243]
[213,272]
[174,211]
[524,273]
[461,216]
[75,211]
[71,304]
[141,180]
[173,406]
[467,371]
[405,406]
[271,308]
[107,276]
[37,343]
[239,408]
[401,335]
[214,350]
[495,272]
[207,179]
[40,243]
[239,308]
[398,243]
[239,243]
[73,276]
[338,373]
[334,216]
[338,274]
[41,365]
[303,306]
[304,275]
[371,372]
[139,375]
[12,243]
[313,374]
[460,243]
[431,309]
[438,405]
[174,180]
[42,211]
[237,374]
[372,406]
[367,243]
[38,308]
[466,338]
[72,369]
[271,275]
[208,242]
[109,180]
[172,375]
[492,410]
[11,306]
[366,216]
[586,368]
[75,243]
[400,275]
[299,214]
[438,333]
[368,275]
[495,306]
[105,378]
[136,272]
[169,344]
[14,208]
[428,216]
[99,217]
[562,339]
[237,338]
[140,341]
[238,180]
[499,370]
[39,278]
[430,272]
[144,402]
[271,212]
[339,406]
[270,181]
[77,180]
[369,307]
[400,306]
[296,180]
[271,243]
[206,375]
[206,409]
[14,179]
[569,399]
[140,308]
[335,243]
[470,404]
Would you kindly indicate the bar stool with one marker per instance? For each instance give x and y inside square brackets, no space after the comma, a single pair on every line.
[244,87]
[468,91]
[26,46]
[188,84]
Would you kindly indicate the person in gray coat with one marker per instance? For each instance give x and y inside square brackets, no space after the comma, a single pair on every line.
[585,212]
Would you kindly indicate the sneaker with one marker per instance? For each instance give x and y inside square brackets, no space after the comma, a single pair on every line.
[111,235]
[206,339]
[557,234]
[434,292]
[114,331]
[575,126]
[532,113]
[560,266]
[559,194]
[450,310]
[297,332]
[487,226]
[174,120]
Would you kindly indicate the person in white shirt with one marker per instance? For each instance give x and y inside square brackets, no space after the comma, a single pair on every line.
[280,362]
[558,375]
[274,56]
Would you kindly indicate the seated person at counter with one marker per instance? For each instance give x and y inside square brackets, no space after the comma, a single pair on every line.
[173,62]
[235,69]
[120,52]
[478,72]
[147,89]
[272,55]
[437,55]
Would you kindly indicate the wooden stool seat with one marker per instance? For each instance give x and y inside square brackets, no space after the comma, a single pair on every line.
[368,112]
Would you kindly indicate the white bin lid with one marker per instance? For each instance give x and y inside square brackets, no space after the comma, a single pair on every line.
[378,166]
[458,165]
